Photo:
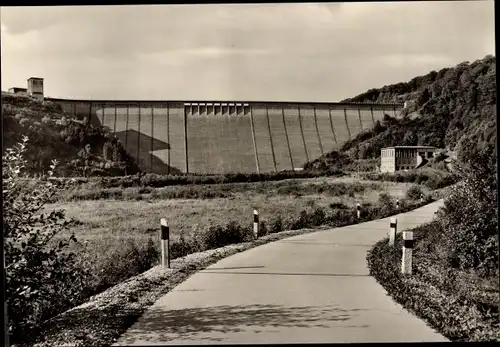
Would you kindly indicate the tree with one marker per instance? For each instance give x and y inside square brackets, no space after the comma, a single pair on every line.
[410,139]
[107,151]
[85,155]
[41,274]
[470,213]
[116,154]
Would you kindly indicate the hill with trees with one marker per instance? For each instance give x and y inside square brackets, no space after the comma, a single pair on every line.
[447,109]
[81,149]
[454,286]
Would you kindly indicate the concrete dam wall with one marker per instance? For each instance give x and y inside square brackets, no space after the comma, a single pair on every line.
[171,137]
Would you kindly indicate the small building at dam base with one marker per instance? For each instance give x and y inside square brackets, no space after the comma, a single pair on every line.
[399,158]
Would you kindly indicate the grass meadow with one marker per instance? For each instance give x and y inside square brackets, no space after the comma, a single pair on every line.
[123,234]
[137,211]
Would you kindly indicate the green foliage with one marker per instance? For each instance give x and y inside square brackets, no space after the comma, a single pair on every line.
[117,157]
[470,213]
[183,247]
[447,106]
[363,164]
[263,229]
[275,224]
[92,191]
[330,164]
[338,205]
[54,135]
[459,308]
[455,281]
[431,178]
[414,193]
[386,200]
[42,278]
[126,258]
[107,151]
[220,236]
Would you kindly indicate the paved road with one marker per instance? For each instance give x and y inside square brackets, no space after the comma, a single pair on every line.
[309,288]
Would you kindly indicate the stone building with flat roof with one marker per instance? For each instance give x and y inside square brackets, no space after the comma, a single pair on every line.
[16,90]
[35,88]
[400,158]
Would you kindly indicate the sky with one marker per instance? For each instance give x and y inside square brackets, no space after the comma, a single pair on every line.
[239,52]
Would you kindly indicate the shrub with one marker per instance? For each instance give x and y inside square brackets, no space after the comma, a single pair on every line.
[275,224]
[386,200]
[46,120]
[439,156]
[433,179]
[132,194]
[458,308]
[24,122]
[318,217]
[121,260]
[154,194]
[263,230]
[311,203]
[42,278]
[183,247]
[470,214]
[342,217]
[338,205]
[107,151]
[414,193]
[300,222]
[218,236]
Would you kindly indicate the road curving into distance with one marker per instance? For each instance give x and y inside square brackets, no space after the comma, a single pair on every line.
[311,288]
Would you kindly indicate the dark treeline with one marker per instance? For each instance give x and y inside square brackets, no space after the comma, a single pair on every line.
[81,149]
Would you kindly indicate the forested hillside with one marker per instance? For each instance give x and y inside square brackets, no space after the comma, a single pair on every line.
[444,109]
[455,283]
[82,150]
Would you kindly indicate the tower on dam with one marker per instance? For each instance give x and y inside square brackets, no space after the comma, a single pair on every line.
[35,88]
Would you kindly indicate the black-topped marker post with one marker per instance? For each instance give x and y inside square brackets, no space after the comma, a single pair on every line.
[256,223]
[392,231]
[358,210]
[165,243]
[406,264]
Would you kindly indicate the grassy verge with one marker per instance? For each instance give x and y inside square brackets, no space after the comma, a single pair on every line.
[459,305]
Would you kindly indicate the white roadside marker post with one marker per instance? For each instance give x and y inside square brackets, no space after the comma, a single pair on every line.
[406,265]
[397,204]
[256,223]
[358,210]
[165,243]
[392,231]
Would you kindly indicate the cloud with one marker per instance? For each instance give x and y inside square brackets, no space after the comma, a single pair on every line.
[185,56]
[269,51]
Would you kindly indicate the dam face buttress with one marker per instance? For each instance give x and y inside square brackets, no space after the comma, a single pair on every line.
[171,137]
